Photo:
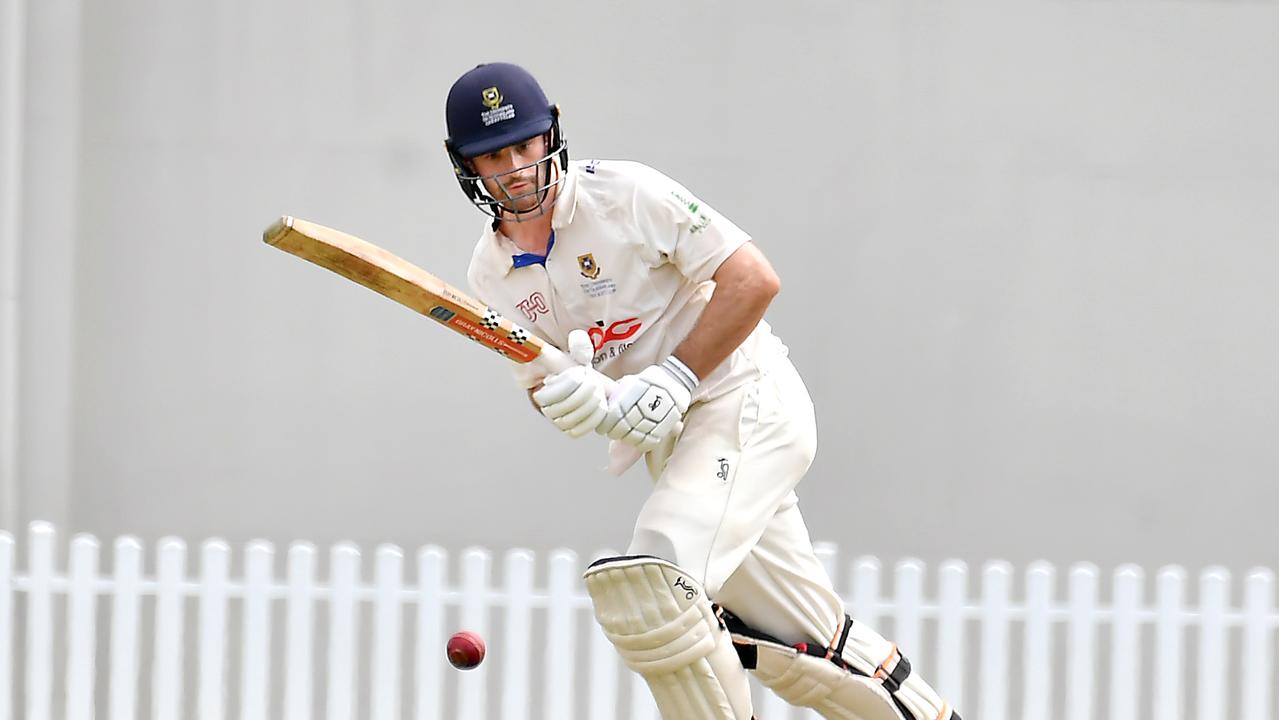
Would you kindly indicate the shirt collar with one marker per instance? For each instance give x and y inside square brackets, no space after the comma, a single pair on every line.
[526,259]
[566,199]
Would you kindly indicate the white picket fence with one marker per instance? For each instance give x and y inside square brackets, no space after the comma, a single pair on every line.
[212,645]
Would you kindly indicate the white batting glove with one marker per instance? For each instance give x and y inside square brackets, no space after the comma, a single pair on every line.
[574,399]
[649,407]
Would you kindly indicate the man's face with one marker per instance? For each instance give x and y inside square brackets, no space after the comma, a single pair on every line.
[512,175]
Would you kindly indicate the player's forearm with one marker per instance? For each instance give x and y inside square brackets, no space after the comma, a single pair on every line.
[745,285]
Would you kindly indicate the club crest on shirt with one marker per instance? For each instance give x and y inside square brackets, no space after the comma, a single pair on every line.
[590,269]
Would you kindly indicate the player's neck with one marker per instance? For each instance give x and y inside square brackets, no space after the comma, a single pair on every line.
[532,235]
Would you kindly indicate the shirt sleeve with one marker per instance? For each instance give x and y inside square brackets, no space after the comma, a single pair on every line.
[681,229]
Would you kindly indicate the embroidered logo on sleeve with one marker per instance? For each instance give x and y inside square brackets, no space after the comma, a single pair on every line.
[700,219]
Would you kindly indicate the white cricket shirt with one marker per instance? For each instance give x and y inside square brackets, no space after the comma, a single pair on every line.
[631,262]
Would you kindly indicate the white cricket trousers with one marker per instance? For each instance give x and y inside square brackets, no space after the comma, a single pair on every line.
[724,508]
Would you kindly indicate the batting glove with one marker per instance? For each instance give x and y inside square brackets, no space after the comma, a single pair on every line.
[574,399]
[649,407]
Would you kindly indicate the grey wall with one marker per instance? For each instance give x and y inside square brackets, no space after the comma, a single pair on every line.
[1028,252]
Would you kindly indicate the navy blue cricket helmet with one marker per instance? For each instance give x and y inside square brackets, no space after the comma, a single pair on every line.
[490,107]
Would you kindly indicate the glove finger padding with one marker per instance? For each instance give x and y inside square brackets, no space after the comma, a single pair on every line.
[583,394]
[558,387]
[574,400]
[583,419]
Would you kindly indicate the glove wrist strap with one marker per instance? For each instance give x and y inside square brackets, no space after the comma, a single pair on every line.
[681,372]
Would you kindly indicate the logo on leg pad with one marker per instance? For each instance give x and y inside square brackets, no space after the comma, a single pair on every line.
[690,592]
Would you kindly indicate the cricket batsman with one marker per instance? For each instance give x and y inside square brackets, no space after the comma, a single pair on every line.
[644,284]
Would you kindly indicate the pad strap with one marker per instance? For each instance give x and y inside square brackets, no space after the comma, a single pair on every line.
[859,676]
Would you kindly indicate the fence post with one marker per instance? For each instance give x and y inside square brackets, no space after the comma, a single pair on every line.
[124,629]
[1081,660]
[385,679]
[82,571]
[344,571]
[471,695]
[864,592]
[1214,594]
[909,592]
[1169,695]
[952,593]
[166,666]
[39,655]
[6,625]
[215,560]
[828,555]
[81,631]
[561,637]
[255,664]
[996,589]
[517,648]
[1125,666]
[1258,652]
[300,628]
[430,633]
[1037,645]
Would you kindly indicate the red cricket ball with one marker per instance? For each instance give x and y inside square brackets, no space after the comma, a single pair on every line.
[466,650]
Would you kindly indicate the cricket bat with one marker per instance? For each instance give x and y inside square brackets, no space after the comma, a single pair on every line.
[409,285]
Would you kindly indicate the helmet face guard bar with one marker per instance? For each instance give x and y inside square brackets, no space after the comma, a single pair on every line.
[551,170]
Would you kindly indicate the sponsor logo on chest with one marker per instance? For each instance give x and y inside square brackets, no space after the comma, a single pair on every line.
[613,339]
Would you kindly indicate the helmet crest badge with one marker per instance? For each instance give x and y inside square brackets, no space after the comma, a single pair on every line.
[492,97]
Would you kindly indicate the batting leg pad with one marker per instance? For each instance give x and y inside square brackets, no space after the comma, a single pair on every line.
[859,676]
[665,629]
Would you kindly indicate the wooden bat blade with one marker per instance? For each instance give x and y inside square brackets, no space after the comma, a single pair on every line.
[405,283]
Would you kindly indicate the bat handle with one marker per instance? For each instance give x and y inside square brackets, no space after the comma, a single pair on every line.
[553,360]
